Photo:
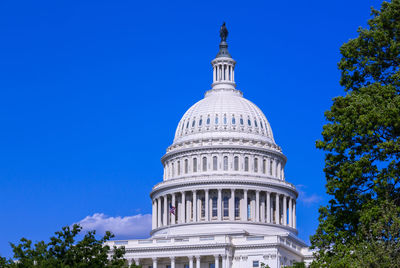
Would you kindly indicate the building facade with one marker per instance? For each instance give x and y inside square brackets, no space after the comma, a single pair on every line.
[224,200]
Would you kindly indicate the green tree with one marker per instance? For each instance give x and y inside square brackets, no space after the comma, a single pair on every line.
[360,226]
[63,251]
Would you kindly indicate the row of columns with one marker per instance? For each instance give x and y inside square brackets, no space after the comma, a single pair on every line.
[226,261]
[264,165]
[223,72]
[256,206]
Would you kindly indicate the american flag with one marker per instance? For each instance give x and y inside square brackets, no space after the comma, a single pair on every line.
[171,209]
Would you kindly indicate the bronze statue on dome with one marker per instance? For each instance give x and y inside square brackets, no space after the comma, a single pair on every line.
[223,32]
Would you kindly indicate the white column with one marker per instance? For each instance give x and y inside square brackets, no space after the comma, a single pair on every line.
[268,207]
[274,168]
[223,261]
[277,208]
[172,262]
[214,74]
[190,261]
[294,214]
[183,212]
[257,206]
[173,217]
[206,205]
[232,206]
[219,204]
[233,74]
[154,262]
[245,205]
[197,262]
[290,212]
[284,200]
[159,212]
[154,215]
[262,209]
[226,72]
[137,261]
[165,216]
[194,206]
[216,258]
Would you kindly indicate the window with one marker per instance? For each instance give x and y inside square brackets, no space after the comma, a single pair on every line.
[225,121]
[255,123]
[179,168]
[200,122]
[214,206]
[187,124]
[168,266]
[233,120]
[186,166]
[194,164]
[186,265]
[212,265]
[215,163]
[203,209]
[216,120]
[246,164]
[237,207]
[256,164]
[270,167]
[193,123]
[173,169]
[225,163]
[248,208]
[264,166]
[236,163]
[208,120]
[256,264]
[204,163]
[249,122]
[226,206]
[261,124]
[241,121]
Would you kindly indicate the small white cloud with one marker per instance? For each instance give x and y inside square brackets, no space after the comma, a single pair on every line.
[306,198]
[136,226]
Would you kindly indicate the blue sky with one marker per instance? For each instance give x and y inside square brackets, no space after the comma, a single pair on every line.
[91,93]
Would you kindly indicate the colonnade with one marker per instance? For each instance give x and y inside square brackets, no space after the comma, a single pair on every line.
[223,72]
[233,162]
[233,204]
[223,261]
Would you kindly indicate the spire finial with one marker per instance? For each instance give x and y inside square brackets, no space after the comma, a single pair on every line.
[223,46]
[223,32]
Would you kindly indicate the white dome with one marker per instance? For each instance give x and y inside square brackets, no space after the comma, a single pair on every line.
[224,113]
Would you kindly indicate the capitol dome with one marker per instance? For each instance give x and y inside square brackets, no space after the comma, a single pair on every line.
[224,113]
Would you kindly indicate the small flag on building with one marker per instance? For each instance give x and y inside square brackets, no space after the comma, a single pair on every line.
[171,209]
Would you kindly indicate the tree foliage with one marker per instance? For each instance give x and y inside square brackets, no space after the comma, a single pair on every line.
[63,251]
[360,227]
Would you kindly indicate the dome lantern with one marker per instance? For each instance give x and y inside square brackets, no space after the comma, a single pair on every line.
[223,65]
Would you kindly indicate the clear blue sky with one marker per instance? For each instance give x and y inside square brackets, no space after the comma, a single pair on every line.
[91,93]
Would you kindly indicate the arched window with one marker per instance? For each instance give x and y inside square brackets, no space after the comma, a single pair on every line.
[262,125]
[249,122]
[214,206]
[216,120]
[200,122]
[233,120]
[173,169]
[187,124]
[193,123]
[179,168]
[186,166]
[204,163]
[270,167]
[225,163]
[241,121]
[264,166]
[194,164]
[255,164]
[225,121]
[226,206]
[237,207]
[208,120]
[246,164]
[236,163]
[255,123]
[215,163]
